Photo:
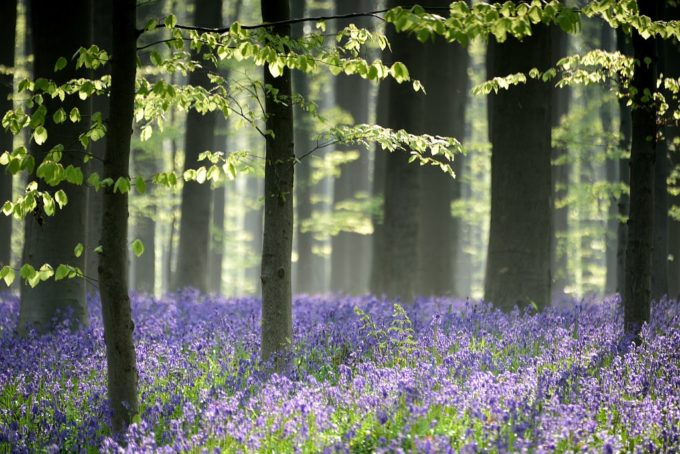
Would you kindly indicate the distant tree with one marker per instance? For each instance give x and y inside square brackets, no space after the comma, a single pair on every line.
[623,45]
[8,22]
[638,279]
[349,256]
[194,231]
[53,239]
[671,49]
[447,85]
[518,262]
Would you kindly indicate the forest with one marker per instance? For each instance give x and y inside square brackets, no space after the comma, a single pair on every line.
[340,226]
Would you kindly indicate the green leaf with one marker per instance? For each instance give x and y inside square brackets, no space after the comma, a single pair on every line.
[78,250]
[59,116]
[170,21]
[74,115]
[61,198]
[99,249]
[122,185]
[62,272]
[60,64]
[140,185]
[7,275]
[40,135]
[138,247]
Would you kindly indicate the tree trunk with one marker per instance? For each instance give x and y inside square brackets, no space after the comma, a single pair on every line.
[277,326]
[560,173]
[637,291]
[194,230]
[349,256]
[518,264]
[306,280]
[144,267]
[377,283]
[217,234]
[444,112]
[8,22]
[625,131]
[52,239]
[101,32]
[672,135]
[402,210]
[113,263]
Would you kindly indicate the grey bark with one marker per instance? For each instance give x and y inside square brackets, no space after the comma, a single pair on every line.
[637,291]
[672,134]
[277,326]
[444,114]
[194,230]
[401,224]
[8,22]
[113,263]
[625,131]
[101,32]
[52,239]
[306,277]
[560,173]
[350,251]
[518,264]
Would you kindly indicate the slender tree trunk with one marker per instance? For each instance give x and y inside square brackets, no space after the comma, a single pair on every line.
[518,264]
[672,135]
[277,325]
[401,226]
[444,111]
[305,274]
[217,252]
[560,173]
[350,251]
[194,230]
[625,132]
[52,239]
[113,263]
[101,32]
[377,284]
[8,22]
[144,267]
[612,175]
[637,291]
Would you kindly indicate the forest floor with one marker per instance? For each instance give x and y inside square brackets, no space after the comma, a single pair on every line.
[364,376]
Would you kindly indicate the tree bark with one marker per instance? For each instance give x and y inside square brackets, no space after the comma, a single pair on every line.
[144,267]
[217,233]
[444,111]
[194,230]
[672,134]
[560,173]
[113,263]
[8,22]
[402,182]
[638,270]
[625,131]
[101,32]
[350,251]
[52,239]
[518,264]
[277,326]
[306,279]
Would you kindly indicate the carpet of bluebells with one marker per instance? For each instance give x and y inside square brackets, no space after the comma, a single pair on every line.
[365,376]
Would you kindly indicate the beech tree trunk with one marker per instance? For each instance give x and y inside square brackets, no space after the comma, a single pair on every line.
[144,267]
[672,135]
[277,325]
[625,131]
[306,278]
[518,264]
[194,230]
[350,251]
[101,32]
[402,182]
[52,239]
[637,291]
[113,263]
[446,84]
[8,23]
